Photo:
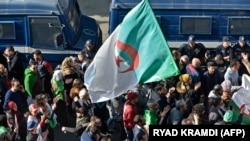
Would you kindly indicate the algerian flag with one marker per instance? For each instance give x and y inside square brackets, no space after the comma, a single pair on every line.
[242,98]
[136,52]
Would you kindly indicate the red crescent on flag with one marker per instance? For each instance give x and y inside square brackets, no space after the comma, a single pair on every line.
[132,52]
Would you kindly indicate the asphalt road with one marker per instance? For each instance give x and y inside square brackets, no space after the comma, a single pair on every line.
[99,10]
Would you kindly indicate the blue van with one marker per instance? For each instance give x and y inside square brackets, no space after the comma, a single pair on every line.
[56,27]
[208,20]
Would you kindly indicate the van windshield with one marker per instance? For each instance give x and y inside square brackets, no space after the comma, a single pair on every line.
[43,31]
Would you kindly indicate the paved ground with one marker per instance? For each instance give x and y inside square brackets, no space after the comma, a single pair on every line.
[99,10]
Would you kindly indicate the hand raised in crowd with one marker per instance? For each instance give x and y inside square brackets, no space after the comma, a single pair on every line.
[64,129]
[170,91]
[55,100]
[165,111]
[197,86]
[6,56]
[15,130]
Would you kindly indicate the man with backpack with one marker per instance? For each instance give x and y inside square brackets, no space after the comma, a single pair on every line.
[45,71]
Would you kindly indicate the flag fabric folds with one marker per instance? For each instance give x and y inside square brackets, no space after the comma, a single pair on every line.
[135,53]
[242,98]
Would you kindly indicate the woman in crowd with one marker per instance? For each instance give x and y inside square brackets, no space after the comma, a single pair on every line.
[16,121]
[46,108]
[69,74]
[58,91]
[35,125]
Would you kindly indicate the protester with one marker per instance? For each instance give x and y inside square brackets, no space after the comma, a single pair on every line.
[36,126]
[45,71]
[15,120]
[32,82]
[45,108]
[15,63]
[16,94]
[130,111]
[5,134]
[3,86]
[58,91]
[177,113]
[69,73]
[140,123]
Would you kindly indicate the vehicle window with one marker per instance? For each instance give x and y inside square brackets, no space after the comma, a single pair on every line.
[195,25]
[65,6]
[239,26]
[7,30]
[43,31]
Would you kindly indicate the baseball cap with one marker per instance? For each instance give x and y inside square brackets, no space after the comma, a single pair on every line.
[132,95]
[191,38]
[33,108]
[89,43]
[225,39]
[242,39]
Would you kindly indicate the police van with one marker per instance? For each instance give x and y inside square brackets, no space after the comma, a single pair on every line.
[208,20]
[56,27]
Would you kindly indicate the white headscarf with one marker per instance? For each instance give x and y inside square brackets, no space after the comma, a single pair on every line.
[57,75]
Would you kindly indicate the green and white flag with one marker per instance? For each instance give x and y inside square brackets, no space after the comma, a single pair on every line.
[241,99]
[135,53]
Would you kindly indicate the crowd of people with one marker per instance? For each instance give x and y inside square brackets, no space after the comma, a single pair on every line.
[34,98]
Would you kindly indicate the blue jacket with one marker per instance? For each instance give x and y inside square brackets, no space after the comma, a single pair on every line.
[87,137]
[18,97]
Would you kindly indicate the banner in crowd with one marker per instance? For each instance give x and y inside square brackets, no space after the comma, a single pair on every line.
[136,52]
[242,98]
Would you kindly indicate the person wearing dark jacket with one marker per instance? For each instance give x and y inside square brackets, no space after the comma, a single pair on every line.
[14,64]
[45,71]
[193,49]
[3,86]
[225,49]
[89,50]
[241,47]
[3,59]
[209,79]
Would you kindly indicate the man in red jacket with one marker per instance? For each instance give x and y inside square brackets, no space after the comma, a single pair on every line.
[129,112]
